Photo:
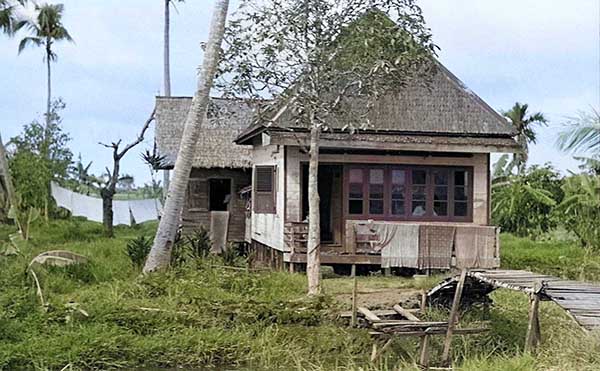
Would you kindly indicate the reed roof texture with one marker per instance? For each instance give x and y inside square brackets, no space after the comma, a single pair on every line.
[216,147]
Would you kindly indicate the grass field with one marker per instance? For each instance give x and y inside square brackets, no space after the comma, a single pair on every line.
[105,315]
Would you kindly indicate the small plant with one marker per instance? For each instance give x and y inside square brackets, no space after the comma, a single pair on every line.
[138,250]
[190,247]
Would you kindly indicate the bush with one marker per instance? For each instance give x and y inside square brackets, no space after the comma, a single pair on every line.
[138,249]
[191,247]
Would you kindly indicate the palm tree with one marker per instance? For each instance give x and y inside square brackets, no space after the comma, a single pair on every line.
[582,133]
[46,29]
[167,72]
[523,123]
[160,254]
[7,16]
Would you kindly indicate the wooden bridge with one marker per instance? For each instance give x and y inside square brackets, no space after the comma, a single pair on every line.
[580,300]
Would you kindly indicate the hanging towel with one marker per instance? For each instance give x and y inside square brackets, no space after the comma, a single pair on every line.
[435,246]
[399,244]
[476,247]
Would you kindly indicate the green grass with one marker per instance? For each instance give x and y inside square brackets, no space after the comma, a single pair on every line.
[199,315]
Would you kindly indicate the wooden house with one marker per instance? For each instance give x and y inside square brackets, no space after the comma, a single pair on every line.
[221,168]
[411,191]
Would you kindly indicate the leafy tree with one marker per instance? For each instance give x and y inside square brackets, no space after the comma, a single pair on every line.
[580,209]
[160,254]
[40,154]
[582,133]
[46,30]
[524,204]
[323,61]
[524,123]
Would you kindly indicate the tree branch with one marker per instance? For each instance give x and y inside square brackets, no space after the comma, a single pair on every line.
[139,139]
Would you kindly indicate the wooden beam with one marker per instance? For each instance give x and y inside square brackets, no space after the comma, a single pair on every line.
[336,259]
[453,317]
[404,313]
[354,296]
[424,352]
[376,354]
[370,316]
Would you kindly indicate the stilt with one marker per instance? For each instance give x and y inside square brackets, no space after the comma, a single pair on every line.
[354,296]
[533,337]
[453,317]
[424,353]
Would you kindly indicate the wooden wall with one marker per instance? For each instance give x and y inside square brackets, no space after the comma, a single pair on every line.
[200,215]
[267,229]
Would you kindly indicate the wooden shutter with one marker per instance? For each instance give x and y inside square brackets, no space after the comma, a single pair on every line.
[197,194]
[265,192]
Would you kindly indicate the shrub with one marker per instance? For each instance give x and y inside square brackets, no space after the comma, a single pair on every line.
[191,247]
[138,249]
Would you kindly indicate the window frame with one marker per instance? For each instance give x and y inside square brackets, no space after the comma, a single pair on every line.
[408,185]
[259,207]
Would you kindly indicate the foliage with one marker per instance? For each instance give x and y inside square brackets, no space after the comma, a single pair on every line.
[524,204]
[580,209]
[40,155]
[8,17]
[523,123]
[138,250]
[46,29]
[23,216]
[582,133]
[105,315]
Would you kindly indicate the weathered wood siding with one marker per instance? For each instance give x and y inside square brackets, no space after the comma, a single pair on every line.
[267,229]
[196,212]
[479,162]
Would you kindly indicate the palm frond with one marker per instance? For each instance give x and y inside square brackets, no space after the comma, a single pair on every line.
[582,133]
[27,41]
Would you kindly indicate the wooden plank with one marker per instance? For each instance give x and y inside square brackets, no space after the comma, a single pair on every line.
[377,354]
[406,314]
[370,316]
[337,259]
[354,296]
[378,312]
[436,331]
[453,317]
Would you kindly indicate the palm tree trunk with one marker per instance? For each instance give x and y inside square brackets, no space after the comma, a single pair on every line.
[167,81]
[160,254]
[5,171]
[49,98]
[313,251]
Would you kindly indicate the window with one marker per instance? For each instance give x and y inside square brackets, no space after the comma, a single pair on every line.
[398,193]
[264,199]
[197,198]
[355,192]
[409,192]
[376,191]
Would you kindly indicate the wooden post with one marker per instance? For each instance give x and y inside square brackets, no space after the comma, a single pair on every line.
[354,296]
[453,317]
[533,336]
[424,353]
[423,305]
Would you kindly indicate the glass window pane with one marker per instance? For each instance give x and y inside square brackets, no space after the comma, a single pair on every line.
[460,194]
[355,207]
[398,176]
[376,176]
[376,207]
[397,192]
[419,177]
[440,208]
[440,193]
[460,209]
[418,208]
[397,207]
[376,191]
[441,177]
[356,176]
[419,193]
[460,178]
[356,190]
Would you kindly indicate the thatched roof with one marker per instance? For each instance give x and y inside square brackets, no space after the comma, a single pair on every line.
[216,147]
[445,107]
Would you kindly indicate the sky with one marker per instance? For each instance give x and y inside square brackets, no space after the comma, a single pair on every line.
[542,52]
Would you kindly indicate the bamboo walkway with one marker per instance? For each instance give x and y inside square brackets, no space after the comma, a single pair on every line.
[581,300]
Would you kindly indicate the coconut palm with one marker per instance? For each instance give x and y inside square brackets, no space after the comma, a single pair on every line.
[160,255]
[524,125]
[46,29]
[582,133]
[7,15]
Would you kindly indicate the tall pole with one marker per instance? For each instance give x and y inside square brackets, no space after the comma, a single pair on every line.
[167,81]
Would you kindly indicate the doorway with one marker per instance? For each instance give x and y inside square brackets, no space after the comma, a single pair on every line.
[219,194]
[330,205]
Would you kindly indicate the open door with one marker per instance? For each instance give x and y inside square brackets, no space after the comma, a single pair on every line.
[330,194]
